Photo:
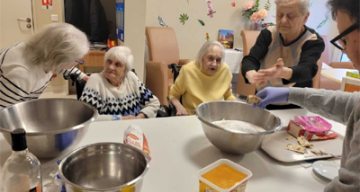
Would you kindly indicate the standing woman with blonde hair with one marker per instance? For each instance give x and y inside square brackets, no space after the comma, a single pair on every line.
[205,79]
[27,67]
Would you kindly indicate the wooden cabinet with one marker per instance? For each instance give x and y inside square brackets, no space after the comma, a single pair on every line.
[94,62]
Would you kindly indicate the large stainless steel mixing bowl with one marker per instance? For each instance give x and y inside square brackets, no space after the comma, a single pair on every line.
[52,125]
[232,141]
[110,167]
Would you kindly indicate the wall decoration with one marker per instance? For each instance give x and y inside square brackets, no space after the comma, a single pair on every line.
[254,14]
[207,36]
[226,38]
[211,9]
[202,23]
[233,3]
[322,23]
[183,18]
[161,22]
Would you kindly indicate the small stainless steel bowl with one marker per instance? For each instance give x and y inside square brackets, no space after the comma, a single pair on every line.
[231,141]
[52,126]
[110,167]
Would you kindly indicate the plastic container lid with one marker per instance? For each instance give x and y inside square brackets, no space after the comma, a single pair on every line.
[315,124]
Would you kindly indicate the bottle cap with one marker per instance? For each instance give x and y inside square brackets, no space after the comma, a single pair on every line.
[18,140]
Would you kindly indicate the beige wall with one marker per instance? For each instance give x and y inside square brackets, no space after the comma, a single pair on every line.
[192,35]
[135,32]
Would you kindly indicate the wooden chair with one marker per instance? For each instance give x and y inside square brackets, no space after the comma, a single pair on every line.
[163,54]
[249,38]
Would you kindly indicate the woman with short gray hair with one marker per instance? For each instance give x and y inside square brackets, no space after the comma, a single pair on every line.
[116,92]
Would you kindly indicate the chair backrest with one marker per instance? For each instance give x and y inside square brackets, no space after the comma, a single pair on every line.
[162,44]
[163,50]
[316,78]
[248,38]
[350,84]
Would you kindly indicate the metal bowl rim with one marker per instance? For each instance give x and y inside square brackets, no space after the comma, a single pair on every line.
[105,189]
[79,126]
[277,126]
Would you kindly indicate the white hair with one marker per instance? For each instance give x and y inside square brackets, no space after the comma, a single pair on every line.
[122,54]
[56,44]
[205,49]
[303,4]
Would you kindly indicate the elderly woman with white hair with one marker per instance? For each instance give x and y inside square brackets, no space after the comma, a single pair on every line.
[117,92]
[205,79]
[284,55]
[27,67]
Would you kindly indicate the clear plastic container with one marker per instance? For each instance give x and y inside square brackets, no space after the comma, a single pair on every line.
[223,176]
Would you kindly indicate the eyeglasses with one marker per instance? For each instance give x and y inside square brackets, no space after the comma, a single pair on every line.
[339,41]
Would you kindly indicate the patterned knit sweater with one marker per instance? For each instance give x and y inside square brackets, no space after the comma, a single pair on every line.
[130,98]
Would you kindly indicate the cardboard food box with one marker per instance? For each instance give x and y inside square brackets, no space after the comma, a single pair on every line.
[311,127]
[223,176]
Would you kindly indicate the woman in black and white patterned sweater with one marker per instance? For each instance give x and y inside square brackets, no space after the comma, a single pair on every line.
[117,91]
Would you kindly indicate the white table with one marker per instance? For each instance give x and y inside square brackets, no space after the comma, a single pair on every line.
[233,58]
[336,74]
[180,149]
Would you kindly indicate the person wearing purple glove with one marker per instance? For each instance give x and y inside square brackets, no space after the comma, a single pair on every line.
[271,95]
[337,105]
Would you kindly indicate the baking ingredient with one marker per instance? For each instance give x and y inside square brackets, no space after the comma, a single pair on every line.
[239,126]
[224,176]
[253,99]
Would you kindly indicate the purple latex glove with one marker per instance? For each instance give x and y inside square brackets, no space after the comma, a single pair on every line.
[271,95]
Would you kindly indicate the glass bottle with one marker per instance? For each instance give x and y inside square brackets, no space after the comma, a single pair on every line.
[21,171]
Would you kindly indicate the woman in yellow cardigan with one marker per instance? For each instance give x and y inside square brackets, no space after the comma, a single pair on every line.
[205,79]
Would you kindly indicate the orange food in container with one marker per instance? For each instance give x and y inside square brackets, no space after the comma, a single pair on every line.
[223,176]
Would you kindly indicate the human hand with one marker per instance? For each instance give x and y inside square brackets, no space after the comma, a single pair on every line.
[86,78]
[127,117]
[256,78]
[273,72]
[180,110]
[270,95]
